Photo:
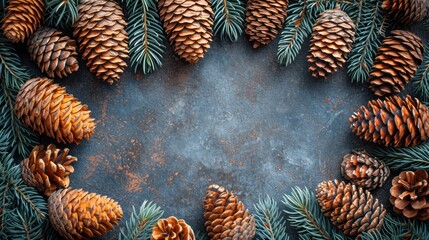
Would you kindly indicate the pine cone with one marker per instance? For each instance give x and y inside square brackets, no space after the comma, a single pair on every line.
[76,214]
[393,122]
[331,42]
[172,229]
[396,63]
[226,217]
[264,19]
[363,170]
[189,26]
[54,53]
[48,109]
[407,12]
[351,208]
[47,170]
[100,30]
[410,194]
[23,17]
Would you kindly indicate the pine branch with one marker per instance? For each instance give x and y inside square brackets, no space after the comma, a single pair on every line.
[421,78]
[401,159]
[369,34]
[61,13]
[140,225]
[228,19]
[19,227]
[146,35]
[305,214]
[269,222]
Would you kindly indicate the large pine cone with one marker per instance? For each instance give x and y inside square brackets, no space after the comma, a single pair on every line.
[54,53]
[189,26]
[264,20]
[23,17]
[406,12]
[226,217]
[100,30]
[48,109]
[76,214]
[393,122]
[396,63]
[410,194]
[47,170]
[172,229]
[351,208]
[331,42]
[363,170]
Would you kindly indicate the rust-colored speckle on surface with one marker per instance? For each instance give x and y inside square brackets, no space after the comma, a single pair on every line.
[158,151]
[93,166]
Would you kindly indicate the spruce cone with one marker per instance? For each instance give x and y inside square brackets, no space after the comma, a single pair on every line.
[48,109]
[100,30]
[54,53]
[393,122]
[363,170]
[410,194]
[226,217]
[189,26]
[407,12]
[76,214]
[351,208]
[47,170]
[331,42]
[264,19]
[23,17]
[172,229]
[396,63]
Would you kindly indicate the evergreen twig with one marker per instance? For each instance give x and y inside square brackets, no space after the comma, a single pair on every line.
[228,19]
[269,222]
[61,13]
[401,159]
[421,78]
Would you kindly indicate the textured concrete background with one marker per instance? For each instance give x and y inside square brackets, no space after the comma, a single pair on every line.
[235,118]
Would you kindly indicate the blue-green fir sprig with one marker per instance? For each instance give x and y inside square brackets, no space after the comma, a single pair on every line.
[228,19]
[61,13]
[421,78]
[402,159]
[269,222]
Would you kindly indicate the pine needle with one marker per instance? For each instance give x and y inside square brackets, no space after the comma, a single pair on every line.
[228,19]
[270,225]
[61,13]
[421,78]
[402,159]
[201,236]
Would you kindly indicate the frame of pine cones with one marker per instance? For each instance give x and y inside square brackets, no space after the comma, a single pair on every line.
[365,36]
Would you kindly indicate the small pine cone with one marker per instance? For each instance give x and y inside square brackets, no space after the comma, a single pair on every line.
[363,170]
[396,63]
[48,109]
[393,122]
[77,214]
[331,42]
[47,170]
[23,17]
[54,53]
[264,19]
[226,217]
[351,208]
[189,26]
[100,30]
[407,12]
[172,229]
[410,194]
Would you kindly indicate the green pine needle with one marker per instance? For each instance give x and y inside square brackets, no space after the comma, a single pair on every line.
[140,225]
[228,19]
[61,13]
[421,78]
[401,159]
[19,227]
[201,236]
[269,222]
[370,31]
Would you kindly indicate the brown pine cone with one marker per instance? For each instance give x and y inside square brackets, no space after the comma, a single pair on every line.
[47,170]
[264,20]
[396,63]
[189,26]
[54,53]
[331,42]
[407,12]
[363,170]
[393,122]
[226,217]
[351,208]
[76,214]
[172,229]
[23,17]
[100,30]
[48,109]
[410,194]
